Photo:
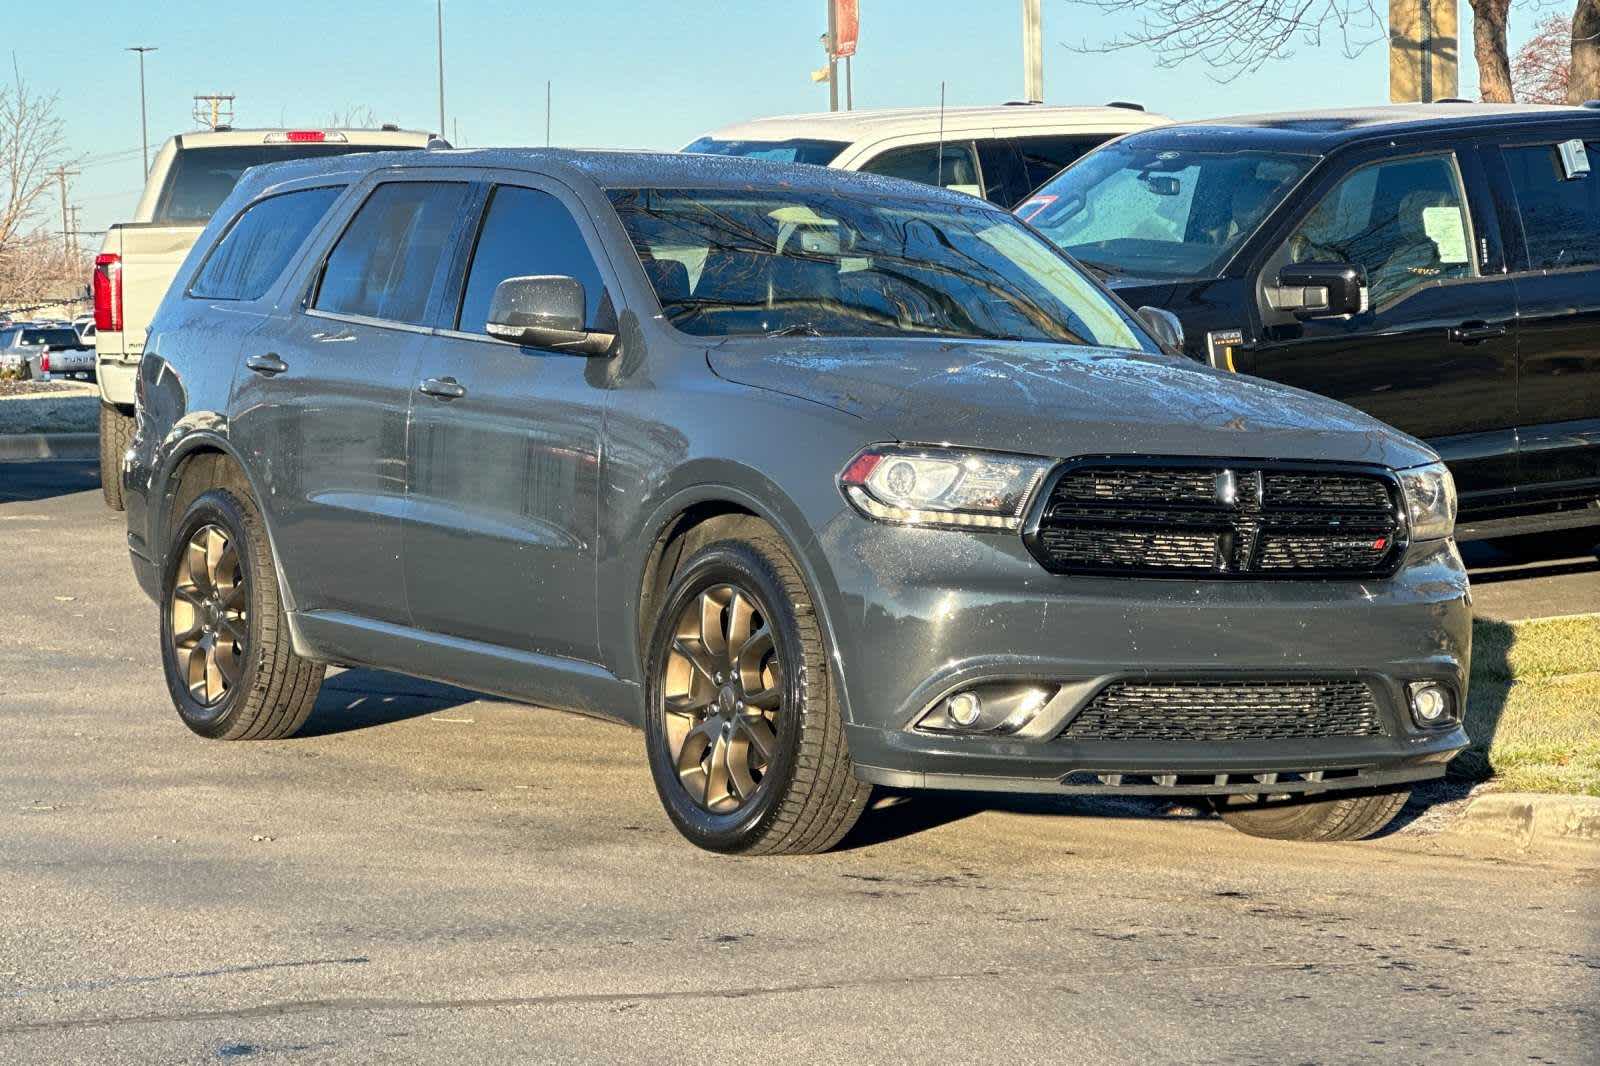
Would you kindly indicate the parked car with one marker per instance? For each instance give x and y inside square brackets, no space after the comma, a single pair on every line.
[824,480]
[29,344]
[998,153]
[191,174]
[1437,266]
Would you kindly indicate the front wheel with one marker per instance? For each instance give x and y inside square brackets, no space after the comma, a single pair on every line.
[1350,816]
[744,737]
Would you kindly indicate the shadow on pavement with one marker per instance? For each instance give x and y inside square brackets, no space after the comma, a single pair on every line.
[362,699]
[32,480]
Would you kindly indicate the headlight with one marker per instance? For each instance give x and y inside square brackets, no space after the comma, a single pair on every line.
[1430,494]
[943,487]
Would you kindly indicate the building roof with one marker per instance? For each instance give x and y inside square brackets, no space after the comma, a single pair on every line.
[877,124]
[1321,131]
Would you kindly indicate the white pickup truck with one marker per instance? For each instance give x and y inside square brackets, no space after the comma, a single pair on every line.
[191,176]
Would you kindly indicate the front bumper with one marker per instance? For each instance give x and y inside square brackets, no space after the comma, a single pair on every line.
[908,634]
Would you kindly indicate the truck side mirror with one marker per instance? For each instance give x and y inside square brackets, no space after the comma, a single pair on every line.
[1164,326]
[546,311]
[1319,290]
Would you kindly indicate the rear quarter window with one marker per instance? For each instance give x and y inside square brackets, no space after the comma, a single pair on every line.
[258,246]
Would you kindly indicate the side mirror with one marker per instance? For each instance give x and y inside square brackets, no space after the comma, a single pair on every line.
[546,311]
[1319,290]
[1164,326]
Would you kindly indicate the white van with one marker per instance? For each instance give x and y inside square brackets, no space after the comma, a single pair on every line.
[1000,153]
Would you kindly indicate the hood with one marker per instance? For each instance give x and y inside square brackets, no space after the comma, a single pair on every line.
[1061,401]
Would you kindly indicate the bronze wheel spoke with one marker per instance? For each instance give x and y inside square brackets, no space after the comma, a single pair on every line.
[758,733]
[207,615]
[703,662]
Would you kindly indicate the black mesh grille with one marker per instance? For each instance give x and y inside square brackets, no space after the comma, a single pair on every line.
[1218,519]
[1227,711]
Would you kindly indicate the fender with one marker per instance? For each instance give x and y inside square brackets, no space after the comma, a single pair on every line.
[775,508]
[212,435]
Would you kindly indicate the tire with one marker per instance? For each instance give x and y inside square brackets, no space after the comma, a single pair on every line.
[805,794]
[231,591]
[116,436]
[1349,816]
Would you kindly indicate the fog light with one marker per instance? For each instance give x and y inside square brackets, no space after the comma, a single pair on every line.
[1432,705]
[964,709]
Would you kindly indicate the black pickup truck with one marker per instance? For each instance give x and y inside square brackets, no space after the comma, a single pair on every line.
[1437,266]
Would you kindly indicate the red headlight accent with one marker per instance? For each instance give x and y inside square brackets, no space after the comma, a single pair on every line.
[860,468]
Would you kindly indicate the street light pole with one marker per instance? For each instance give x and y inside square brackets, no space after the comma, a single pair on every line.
[144,121]
[439,7]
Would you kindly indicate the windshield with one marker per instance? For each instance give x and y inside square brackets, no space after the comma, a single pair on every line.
[795,150]
[201,178]
[1161,213]
[727,263]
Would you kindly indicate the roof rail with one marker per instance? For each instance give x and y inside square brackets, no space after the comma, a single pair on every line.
[390,127]
[1126,105]
[1592,104]
[1452,100]
[1024,103]
[435,142]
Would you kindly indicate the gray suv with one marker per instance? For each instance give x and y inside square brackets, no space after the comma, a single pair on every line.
[822,479]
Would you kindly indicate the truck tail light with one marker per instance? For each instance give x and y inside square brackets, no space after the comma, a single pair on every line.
[108,292]
[302,137]
[44,361]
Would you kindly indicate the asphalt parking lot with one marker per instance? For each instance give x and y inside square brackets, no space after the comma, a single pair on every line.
[429,876]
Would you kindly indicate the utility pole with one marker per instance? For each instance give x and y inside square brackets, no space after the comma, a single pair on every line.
[833,60]
[439,8]
[1032,53]
[144,121]
[62,174]
[213,109]
[72,232]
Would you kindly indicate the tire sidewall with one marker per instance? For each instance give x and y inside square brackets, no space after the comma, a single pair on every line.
[736,563]
[216,507]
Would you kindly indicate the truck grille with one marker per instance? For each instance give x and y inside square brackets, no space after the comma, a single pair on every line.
[1227,711]
[1218,519]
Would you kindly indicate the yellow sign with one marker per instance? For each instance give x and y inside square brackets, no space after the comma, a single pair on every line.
[1424,50]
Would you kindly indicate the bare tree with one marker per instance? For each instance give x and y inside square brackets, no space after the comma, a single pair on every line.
[1542,67]
[355,117]
[1489,18]
[1238,37]
[32,144]
[1584,82]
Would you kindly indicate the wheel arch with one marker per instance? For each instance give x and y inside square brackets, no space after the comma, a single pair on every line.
[704,509]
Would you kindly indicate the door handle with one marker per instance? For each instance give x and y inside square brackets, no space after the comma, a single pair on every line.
[267,365]
[443,388]
[1475,332]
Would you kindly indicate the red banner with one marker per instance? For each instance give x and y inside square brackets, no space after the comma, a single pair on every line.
[847,25]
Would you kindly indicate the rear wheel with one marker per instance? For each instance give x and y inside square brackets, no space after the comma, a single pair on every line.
[116,437]
[745,740]
[1349,816]
[224,636]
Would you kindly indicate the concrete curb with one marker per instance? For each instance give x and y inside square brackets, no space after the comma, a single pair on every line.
[49,446]
[1556,827]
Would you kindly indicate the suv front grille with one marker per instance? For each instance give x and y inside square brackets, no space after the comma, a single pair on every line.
[1218,519]
[1227,711]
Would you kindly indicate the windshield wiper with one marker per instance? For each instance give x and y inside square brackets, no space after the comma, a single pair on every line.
[795,329]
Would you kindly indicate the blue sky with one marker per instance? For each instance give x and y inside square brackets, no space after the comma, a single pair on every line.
[626,73]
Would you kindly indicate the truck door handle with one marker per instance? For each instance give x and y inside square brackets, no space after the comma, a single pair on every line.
[444,388]
[1474,332]
[267,365]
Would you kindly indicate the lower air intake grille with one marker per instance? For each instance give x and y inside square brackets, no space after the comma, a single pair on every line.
[1227,711]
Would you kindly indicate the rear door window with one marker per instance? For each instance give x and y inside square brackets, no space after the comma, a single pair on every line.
[1560,215]
[526,233]
[385,264]
[952,165]
[260,243]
